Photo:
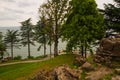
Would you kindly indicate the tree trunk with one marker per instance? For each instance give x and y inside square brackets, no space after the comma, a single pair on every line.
[56,35]
[2,53]
[50,50]
[85,51]
[12,50]
[44,49]
[29,50]
[56,46]
[28,46]
[82,51]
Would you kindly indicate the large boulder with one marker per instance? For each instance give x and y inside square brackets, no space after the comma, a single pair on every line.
[66,73]
[109,50]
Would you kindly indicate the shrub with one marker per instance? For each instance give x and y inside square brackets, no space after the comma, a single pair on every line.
[42,56]
[17,58]
[31,57]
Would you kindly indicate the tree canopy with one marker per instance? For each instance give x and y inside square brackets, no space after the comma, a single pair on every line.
[12,40]
[2,46]
[56,11]
[40,33]
[112,16]
[27,34]
[84,25]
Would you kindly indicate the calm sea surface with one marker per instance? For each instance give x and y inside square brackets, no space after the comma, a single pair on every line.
[23,50]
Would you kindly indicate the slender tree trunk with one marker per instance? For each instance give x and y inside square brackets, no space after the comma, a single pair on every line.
[29,50]
[82,51]
[28,46]
[44,49]
[56,46]
[50,48]
[12,50]
[50,51]
[86,46]
[85,51]
[2,53]
[56,35]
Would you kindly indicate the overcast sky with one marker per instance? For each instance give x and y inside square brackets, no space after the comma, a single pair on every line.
[14,11]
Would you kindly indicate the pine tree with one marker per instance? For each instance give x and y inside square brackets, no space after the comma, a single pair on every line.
[112,16]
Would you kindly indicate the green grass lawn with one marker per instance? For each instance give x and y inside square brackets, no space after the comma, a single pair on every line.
[23,71]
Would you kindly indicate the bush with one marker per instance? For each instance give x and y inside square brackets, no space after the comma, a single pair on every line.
[31,57]
[17,58]
[108,77]
[42,56]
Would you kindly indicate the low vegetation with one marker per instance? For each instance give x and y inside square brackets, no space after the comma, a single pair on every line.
[25,70]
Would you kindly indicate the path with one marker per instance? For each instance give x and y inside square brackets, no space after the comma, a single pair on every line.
[30,61]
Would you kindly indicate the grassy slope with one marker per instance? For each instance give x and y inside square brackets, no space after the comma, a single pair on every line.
[23,71]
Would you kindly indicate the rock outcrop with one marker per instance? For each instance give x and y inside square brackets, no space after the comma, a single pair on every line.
[79,60]
[98,74]
[87,67]
[59,73]
[109,50]
[66,73]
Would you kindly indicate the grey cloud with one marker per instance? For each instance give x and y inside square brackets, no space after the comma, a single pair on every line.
[7,18]
[25,4]
[30,13]
[9,0]
[14,10]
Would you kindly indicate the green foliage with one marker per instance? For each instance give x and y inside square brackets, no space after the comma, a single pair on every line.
[17,58]
[2,46]
[12,40]
[55,11]
[25,70]
[27,34]
[40,33]
[112,16]
[83,75]
[108,77]
[31,57]
[41,57]
[84,25]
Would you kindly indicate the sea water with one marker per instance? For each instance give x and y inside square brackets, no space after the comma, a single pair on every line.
[23,51]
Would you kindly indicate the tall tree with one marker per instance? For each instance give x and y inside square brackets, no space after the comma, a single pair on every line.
[84,25]
[27,34]
[48,28]
[40,34]
[57,10]
[12,40]
[112,16]
[49,32]
[2,46]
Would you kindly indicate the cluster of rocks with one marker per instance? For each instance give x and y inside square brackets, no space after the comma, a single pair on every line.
[109,50]
[59,73]
[64,72]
